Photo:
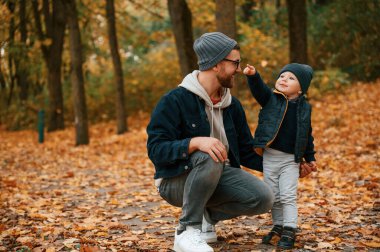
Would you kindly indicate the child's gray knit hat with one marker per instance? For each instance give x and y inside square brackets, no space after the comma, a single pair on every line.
[304,74]
[211,48]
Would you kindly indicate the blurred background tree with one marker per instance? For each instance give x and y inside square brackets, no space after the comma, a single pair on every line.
[181,20]
[50,35]
[76,73]
[154,42]
[121,115]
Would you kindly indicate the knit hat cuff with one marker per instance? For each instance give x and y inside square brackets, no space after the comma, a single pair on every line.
[211,48]
[204,64]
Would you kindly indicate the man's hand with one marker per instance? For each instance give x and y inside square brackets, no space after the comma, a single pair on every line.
[210,145]
[249,70]
[307,168]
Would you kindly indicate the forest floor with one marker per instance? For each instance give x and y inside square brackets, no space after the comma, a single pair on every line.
[100,197]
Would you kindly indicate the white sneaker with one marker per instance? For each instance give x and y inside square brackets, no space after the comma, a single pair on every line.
[208,233]
[190,241]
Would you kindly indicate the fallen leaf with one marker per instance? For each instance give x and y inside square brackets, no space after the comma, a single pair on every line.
[372,244]
[324,245]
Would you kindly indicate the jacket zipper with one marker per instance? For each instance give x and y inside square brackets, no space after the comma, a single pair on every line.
[283,116]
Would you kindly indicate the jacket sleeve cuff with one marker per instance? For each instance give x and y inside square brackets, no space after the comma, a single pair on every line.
[184,149]
[309,158]
[254,77]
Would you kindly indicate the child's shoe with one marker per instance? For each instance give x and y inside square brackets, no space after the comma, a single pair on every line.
[288,238]
[276,231]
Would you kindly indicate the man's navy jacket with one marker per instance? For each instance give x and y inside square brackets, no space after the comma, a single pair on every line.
[179,116]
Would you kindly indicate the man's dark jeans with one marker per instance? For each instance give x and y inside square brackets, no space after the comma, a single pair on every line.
[215,190]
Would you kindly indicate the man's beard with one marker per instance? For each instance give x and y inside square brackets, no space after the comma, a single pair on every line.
[226,81]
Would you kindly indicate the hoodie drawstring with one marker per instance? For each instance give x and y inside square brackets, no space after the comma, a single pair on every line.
[212,120]
[220,132]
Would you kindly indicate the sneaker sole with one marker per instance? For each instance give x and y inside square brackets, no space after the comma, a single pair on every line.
[176,248]
[209,239]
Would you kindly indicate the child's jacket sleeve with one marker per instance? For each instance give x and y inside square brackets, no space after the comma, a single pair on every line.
[310,152]
[260,91]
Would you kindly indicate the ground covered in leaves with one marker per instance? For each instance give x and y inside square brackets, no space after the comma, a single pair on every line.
[57,197]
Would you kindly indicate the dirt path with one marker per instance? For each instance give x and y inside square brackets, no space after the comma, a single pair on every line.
[57,197]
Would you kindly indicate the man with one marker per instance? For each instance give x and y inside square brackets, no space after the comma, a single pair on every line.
[198,138]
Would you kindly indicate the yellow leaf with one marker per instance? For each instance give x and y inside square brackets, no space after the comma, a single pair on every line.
[324,229]
[372,244]
[306,226]
[114,202]
[101,234]
[336,240]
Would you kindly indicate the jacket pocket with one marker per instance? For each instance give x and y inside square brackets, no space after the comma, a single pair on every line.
[192,125]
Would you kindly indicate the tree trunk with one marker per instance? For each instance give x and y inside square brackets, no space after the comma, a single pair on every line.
[247,9]
[181,19]
[121,115]
[297,30]
[80,109]
[55,25]
[226,17]
[11,7]
[322,2]
[3,85]
[23,60]
[278,4]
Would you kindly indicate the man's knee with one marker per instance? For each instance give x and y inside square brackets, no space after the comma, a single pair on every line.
[200,157]
[203,160]
[263,201]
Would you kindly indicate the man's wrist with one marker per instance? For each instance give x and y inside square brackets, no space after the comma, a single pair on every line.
[193,145]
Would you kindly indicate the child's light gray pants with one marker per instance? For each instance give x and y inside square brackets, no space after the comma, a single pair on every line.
[281,173]
[215,190]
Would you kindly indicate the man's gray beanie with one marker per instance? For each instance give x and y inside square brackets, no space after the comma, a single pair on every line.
[211,48]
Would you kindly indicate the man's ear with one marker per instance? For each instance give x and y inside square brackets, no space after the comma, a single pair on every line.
[216,68]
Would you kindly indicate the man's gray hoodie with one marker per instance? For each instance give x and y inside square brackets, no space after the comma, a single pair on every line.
[214,112]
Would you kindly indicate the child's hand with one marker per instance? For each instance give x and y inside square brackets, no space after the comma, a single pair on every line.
[313,165]
[307,168]
[249,70]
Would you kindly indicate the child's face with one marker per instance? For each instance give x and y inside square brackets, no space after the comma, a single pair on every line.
[288,84]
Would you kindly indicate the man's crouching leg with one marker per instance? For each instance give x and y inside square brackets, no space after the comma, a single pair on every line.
[192,190]
[239,193]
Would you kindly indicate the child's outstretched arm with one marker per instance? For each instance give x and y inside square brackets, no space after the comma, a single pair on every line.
[258,88]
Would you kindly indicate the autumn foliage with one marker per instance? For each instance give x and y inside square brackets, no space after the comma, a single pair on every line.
[100,197]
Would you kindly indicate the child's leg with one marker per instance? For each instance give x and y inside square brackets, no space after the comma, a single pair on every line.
[272,172]
[288,193]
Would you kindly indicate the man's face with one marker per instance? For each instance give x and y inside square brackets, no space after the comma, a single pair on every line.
[228,67]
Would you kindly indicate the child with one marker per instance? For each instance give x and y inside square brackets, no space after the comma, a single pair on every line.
[283,136]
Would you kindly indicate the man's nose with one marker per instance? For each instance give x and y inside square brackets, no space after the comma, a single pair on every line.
[238,69]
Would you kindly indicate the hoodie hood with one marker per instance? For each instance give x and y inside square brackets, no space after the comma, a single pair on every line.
[191,83]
